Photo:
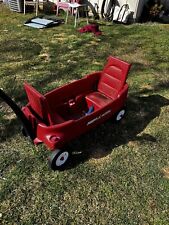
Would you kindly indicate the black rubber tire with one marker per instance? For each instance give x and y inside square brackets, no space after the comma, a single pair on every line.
[120,115]
[58,159]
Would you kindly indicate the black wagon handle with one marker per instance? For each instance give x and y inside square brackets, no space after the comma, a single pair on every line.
[18,112]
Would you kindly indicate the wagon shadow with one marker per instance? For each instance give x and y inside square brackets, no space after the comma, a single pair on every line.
[100,142]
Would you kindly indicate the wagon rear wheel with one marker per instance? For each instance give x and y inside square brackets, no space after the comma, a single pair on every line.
[120,114]
[58,159]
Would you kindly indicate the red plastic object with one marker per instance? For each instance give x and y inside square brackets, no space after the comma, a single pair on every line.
[94,28]
[63,113]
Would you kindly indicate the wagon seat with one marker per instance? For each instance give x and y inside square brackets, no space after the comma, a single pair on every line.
[39,107]
[112,83]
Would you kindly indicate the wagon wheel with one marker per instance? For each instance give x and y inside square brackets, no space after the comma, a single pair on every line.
[58,159]
[120,114]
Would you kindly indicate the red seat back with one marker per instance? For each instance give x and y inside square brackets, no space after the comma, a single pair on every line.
[113,77]
[37,102]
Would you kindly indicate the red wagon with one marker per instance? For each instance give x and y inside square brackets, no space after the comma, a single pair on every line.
[68,111]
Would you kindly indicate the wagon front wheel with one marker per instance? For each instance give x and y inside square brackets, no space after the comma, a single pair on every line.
[58,159]
[120,114]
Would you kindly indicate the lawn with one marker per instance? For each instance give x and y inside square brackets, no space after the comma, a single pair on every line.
[120,172]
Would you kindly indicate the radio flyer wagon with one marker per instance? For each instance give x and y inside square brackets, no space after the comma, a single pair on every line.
[71,110]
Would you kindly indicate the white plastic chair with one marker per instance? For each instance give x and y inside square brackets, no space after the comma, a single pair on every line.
[72,7]
[34,3]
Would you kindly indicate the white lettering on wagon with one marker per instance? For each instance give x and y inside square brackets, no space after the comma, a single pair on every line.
[99,117]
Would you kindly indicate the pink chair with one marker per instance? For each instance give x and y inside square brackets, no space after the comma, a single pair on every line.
[61,5]
[64,4]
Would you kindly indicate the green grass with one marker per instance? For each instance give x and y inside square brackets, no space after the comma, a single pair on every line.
[120,173]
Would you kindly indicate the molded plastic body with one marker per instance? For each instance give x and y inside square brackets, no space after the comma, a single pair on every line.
[65,112]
